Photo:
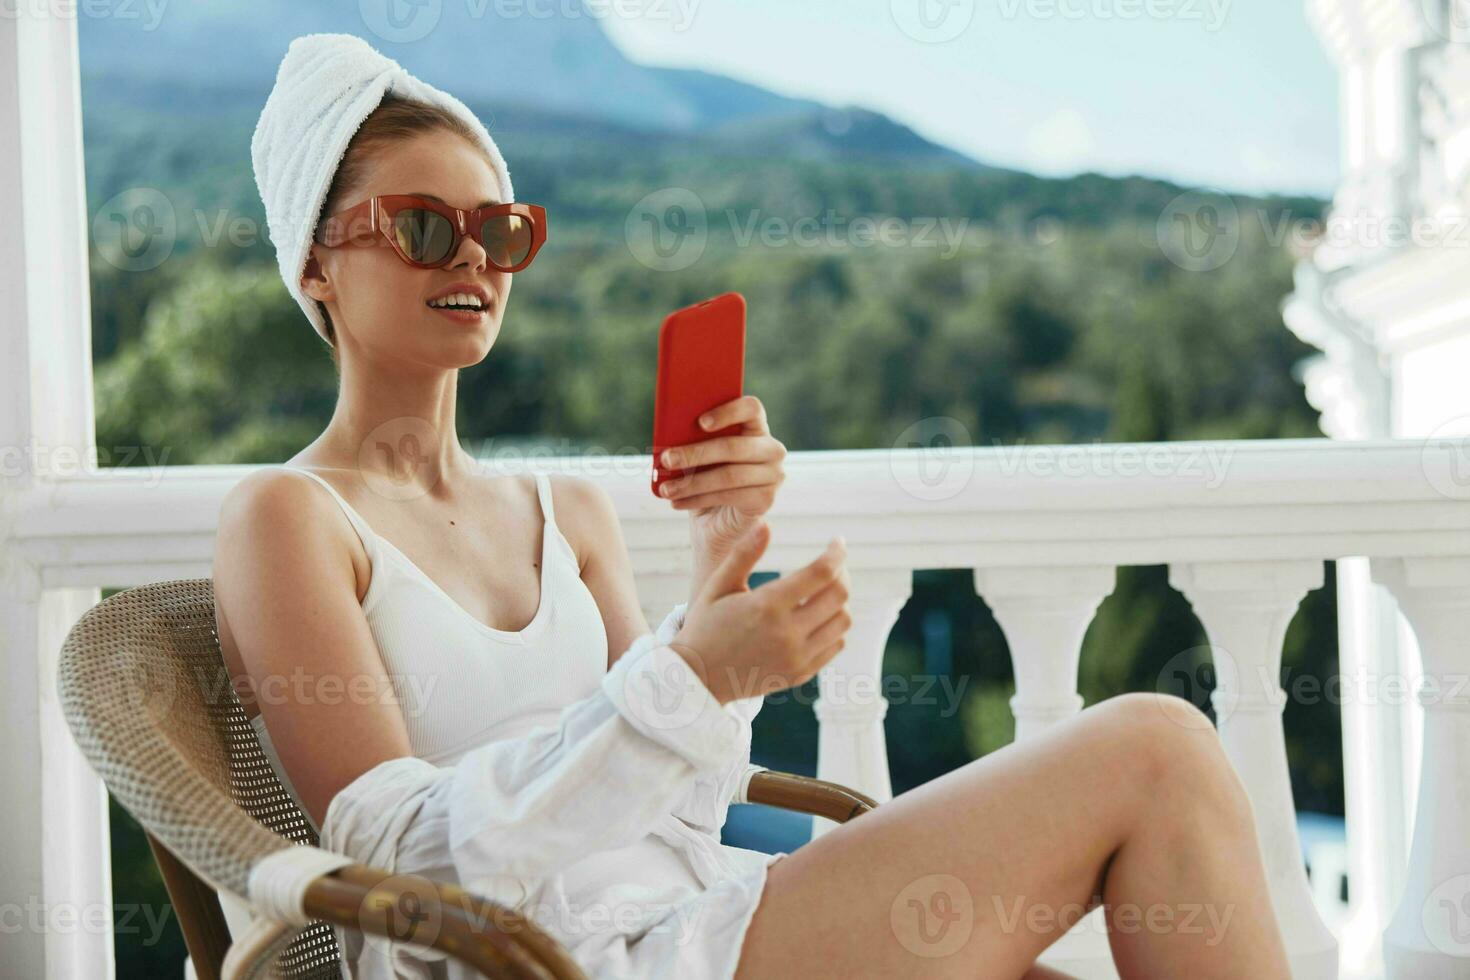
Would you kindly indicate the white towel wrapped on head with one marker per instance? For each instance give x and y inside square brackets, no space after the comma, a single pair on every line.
[326,86]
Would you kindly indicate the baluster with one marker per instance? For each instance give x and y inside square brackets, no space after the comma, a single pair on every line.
[850,705]
[1245,608]
[1044,613]
[1429,935]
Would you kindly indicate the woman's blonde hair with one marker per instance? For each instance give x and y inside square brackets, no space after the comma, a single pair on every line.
[395,120]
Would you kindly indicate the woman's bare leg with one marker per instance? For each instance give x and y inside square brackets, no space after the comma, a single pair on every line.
[1133,802]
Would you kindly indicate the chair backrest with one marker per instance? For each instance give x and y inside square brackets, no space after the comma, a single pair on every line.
[150,702]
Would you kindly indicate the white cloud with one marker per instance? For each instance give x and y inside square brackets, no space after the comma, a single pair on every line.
[1062,142]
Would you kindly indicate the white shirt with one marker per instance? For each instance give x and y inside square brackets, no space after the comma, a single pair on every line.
[591,827]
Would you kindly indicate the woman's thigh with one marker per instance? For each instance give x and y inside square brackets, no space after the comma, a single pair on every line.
[975,873]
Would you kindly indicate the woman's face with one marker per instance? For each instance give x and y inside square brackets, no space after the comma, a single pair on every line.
[380,301]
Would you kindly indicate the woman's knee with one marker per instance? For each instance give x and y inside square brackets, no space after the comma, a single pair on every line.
[1172,744]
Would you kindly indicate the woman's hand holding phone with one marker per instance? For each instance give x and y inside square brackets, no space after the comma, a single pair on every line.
[744,642]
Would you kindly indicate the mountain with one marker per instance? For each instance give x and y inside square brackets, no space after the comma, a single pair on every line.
[565,66]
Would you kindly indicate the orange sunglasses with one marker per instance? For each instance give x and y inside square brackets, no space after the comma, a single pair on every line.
[426,233]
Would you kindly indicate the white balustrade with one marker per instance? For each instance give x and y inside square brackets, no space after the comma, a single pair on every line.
[1429,935]
[850,704]
[1044,613]
[1245,608]
[1245,528]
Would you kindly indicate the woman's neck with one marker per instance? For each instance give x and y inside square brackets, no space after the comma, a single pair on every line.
[397,432]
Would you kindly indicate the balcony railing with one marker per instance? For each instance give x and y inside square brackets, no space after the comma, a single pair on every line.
[1244,528]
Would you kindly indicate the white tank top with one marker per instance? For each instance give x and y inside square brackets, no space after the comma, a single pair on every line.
[461,683]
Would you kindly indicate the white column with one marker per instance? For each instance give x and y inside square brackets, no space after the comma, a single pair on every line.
[1376,782]
[850,706]
[1044,613]
[1429,936]
[1245,608]
[54,855]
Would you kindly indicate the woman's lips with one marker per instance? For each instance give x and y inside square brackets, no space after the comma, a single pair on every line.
[461,316]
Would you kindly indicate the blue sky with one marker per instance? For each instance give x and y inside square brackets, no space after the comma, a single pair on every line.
[1234,94]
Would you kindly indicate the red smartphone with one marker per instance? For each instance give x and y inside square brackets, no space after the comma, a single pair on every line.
[701,364]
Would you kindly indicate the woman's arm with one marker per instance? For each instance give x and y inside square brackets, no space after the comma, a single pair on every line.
[285,582]
[590,522]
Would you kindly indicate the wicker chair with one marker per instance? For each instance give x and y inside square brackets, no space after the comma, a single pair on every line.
[148,698]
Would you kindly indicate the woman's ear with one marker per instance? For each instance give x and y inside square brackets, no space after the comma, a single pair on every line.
[314,282]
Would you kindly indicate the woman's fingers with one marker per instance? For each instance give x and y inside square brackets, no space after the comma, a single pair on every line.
[812,578]
[823,657]
[832,631]
[821,607]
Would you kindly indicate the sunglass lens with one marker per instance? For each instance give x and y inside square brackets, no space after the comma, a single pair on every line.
[425,236]
[507,239]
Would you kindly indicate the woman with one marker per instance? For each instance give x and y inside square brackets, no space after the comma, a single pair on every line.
[579,767]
